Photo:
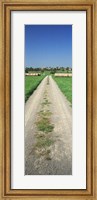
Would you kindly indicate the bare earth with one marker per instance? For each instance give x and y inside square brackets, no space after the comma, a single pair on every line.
[48,152]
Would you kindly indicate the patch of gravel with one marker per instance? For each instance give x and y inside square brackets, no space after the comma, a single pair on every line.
[59,159]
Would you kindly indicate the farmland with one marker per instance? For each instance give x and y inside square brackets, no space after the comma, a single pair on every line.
[65,85]
[31,83]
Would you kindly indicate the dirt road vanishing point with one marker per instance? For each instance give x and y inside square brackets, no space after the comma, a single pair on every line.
[48,131]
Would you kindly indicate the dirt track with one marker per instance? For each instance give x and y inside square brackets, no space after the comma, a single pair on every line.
[54,157]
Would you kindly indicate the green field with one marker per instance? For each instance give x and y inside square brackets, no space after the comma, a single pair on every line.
[65,85]
[31,83]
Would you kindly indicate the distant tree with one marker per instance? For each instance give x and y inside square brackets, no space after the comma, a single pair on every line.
[42,70]
[26,70]
[62,68]
[53,71]
[31,69]
[36,69]
[67,68]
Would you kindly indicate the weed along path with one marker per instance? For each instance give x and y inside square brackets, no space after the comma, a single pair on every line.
[48,131]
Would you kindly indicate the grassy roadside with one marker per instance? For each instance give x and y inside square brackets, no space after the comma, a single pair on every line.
[31,83]
[65,85]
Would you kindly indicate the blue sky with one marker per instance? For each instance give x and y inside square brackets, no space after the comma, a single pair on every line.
[48,45]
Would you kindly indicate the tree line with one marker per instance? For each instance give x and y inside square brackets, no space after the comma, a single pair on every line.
[53,70]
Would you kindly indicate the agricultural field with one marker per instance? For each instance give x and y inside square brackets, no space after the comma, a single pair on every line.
[31,83]
[65,85]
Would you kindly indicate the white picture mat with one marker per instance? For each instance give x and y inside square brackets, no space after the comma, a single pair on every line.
[78,178]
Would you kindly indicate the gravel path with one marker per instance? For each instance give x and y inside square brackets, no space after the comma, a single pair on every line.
[48,151]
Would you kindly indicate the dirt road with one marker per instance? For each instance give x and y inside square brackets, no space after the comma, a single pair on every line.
[48,131]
